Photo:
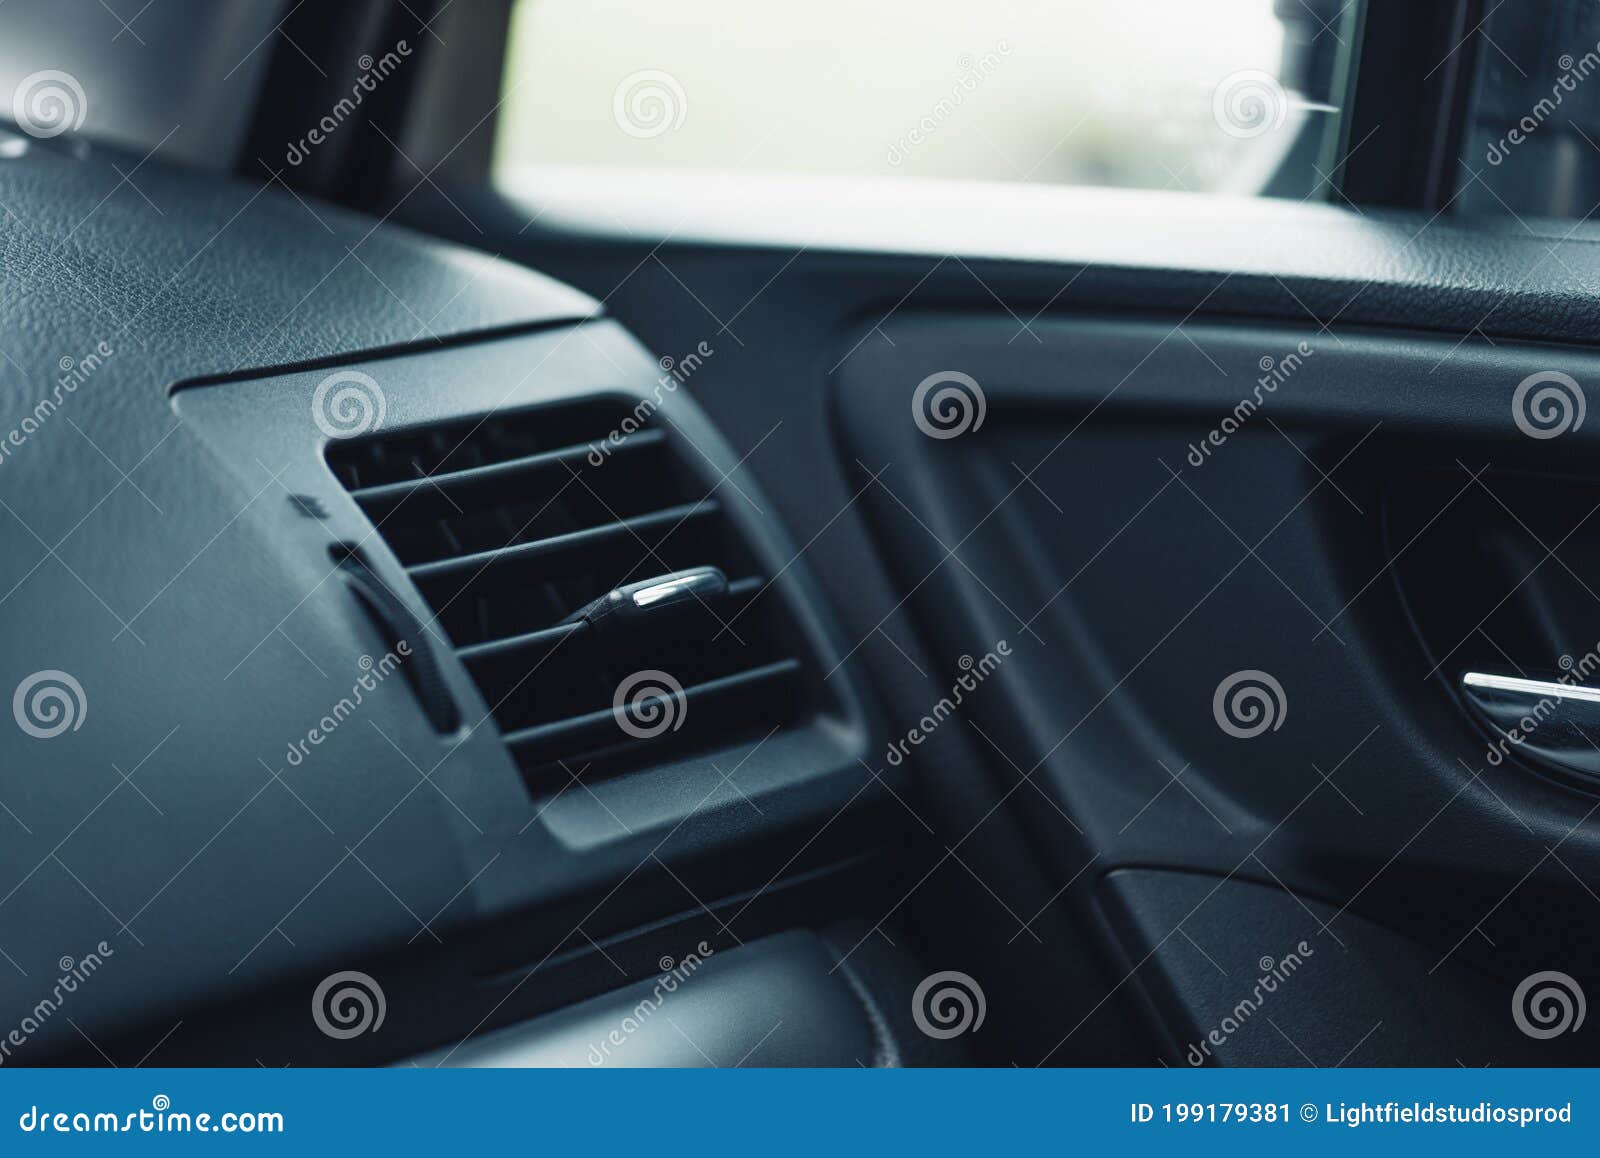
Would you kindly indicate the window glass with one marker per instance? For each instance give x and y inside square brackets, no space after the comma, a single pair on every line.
[1232,96]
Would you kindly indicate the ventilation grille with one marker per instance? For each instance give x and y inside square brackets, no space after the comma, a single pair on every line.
[510,524]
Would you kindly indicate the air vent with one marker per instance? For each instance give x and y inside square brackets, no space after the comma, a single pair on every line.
[512,525]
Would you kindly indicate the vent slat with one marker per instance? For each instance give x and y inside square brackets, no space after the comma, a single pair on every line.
[535,643]
[598,729]
[470,484]
[626,530]
[531,646]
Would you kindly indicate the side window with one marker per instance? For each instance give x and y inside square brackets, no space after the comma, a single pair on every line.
[1210,96]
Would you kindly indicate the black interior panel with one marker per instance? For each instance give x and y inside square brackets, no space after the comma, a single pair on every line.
[1197,949]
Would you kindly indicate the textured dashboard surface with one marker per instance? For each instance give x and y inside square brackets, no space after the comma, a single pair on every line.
[166,799]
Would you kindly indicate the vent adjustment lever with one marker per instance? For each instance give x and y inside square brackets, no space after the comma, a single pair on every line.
[651,602]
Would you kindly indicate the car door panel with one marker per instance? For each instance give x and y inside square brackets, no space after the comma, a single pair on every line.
[1131,582]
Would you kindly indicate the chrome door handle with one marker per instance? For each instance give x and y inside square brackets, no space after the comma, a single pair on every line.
[1552,720]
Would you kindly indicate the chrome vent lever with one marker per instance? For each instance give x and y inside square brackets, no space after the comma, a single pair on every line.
[651,602]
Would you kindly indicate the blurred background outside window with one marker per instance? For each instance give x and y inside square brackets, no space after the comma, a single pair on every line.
[1211,96]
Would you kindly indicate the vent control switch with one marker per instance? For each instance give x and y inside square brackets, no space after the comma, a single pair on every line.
[651,603]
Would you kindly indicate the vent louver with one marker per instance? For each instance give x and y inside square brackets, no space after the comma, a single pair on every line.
[512,524]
